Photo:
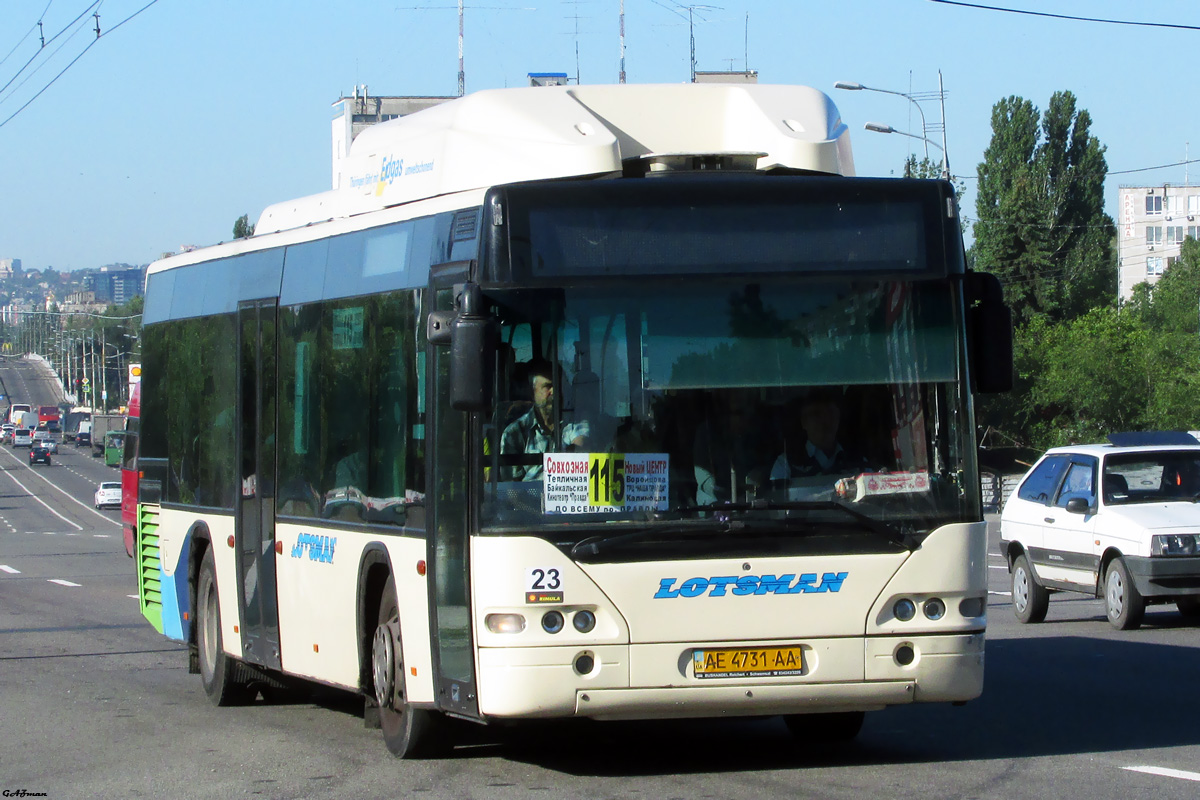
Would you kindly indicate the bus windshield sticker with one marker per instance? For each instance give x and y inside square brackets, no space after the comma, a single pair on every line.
[595,483]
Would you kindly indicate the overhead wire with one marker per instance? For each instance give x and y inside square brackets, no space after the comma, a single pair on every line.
[81,26]
[73,61]
[21,41]
[1069,16]
[46,43]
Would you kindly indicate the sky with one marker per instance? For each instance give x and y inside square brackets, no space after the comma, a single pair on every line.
[182,116]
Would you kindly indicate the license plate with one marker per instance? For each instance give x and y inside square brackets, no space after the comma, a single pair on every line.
[743,662]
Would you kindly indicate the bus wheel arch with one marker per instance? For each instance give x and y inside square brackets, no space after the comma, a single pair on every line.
[225,679]
[374,569]
[408,732]
[199,541]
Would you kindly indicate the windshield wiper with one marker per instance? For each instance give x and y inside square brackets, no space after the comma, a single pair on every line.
[721,523]
[904,538]
[592,545]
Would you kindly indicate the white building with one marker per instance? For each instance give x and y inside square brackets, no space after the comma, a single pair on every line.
[1152,223]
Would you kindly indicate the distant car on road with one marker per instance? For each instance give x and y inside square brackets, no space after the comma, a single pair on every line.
[39,454]
[22,437]
[6,432]
[1119,521]
[108,495]
[46,438]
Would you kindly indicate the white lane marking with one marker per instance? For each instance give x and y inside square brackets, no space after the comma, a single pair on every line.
[61,582]
[9,570]
[1002,594]
[991,566]
[1166,773]
[43,502]
[100,536]
[133,597]
[65,494]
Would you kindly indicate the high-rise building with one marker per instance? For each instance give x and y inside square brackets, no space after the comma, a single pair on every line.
[1152,222]
[116,284]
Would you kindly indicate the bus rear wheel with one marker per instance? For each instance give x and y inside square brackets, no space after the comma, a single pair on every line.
[408,732]
[220,674]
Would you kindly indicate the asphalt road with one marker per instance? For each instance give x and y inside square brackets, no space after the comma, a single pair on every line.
[94,703]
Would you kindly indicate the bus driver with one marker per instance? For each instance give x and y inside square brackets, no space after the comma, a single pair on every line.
[534,431]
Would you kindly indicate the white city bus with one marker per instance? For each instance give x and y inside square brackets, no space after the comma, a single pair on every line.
[330,488]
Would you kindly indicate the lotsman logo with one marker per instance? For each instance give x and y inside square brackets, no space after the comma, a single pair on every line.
[319,548]
[751,585]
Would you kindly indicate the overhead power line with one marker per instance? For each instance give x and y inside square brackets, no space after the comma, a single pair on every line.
[1147,169]
[32,27]
[47,42]
[1069,16]
[73,61]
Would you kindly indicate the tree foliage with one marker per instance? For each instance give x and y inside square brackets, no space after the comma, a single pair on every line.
[242,227]
[1040,206]
[1136,367]
[1086,367]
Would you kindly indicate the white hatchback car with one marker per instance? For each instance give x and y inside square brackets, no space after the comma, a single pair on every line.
[1119,521]
[108,495]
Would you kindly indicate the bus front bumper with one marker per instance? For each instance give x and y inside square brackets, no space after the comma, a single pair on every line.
[656,682]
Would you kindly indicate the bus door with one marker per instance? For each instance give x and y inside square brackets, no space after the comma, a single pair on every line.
[448,544]
[255,517]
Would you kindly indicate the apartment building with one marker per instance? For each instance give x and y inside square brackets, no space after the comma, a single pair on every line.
[1152,223]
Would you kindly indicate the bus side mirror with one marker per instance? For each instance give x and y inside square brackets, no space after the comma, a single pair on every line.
[989,333]
[473,339]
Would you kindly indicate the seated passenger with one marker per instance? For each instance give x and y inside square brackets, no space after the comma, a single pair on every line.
[534,431]
[813,447]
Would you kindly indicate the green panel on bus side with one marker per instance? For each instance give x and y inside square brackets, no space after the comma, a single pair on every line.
[149,566]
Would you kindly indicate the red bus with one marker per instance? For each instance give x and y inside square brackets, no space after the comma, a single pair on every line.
[129,470]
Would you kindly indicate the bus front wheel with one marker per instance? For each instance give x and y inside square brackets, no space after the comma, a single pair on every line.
[825,728]
[219,673]
[408,732]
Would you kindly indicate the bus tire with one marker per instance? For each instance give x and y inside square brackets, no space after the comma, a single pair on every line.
[825,728]
[1030,600]
[1123,603]
[408,732]
[220,674]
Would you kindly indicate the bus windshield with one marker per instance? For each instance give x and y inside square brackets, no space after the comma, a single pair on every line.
[774,404]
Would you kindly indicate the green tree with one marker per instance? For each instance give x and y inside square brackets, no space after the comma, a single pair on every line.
[242,227]
[1087,376]
[1041,224]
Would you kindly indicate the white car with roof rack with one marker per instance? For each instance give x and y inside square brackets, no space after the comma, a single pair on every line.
[1119,521]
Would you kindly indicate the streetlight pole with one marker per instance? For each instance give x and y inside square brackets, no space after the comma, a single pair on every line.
[852,86]
[878,127]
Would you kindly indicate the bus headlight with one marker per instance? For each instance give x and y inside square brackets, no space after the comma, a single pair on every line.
[505,623]
[904,609]
[584,621]
[552,621]
[934,608]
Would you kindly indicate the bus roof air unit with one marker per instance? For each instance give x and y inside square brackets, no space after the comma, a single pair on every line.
[672,163]
[502,136]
